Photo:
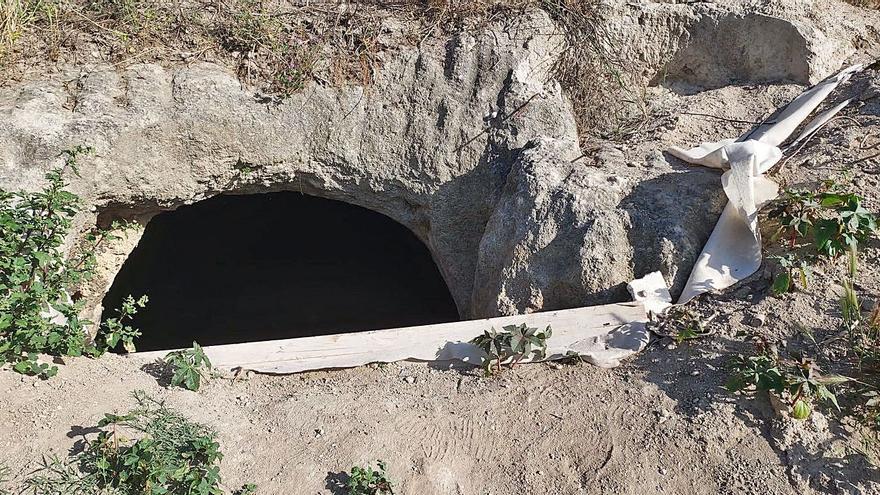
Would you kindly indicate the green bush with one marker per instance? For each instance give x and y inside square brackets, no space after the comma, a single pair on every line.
[800,381]
[835,219]
[513,344]
[188,367]
[366,481]
[170,456]
[40,304]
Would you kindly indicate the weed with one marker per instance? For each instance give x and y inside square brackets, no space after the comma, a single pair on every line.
[125,23]
[682,324]
[171,455]
[800,380]
[116,330]
[591,68]
[283,46]
[247,489]
[850,309]
[836,219]
[18,16]
[188,366]
[39,299]
[513,344]
[792,269]
[868,4]
[366,481]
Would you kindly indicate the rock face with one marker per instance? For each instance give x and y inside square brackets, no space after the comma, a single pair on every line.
[467,141]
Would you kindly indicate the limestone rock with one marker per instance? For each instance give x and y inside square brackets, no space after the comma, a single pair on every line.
[467,141]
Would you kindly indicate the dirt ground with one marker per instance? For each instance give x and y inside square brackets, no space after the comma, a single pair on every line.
[657,425]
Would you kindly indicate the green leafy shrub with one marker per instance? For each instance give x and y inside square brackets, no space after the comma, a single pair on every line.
[513,344]
[188,367]
[800,381]
[834,218]
[39,299]
[116,330]
[171,455]
[366,481]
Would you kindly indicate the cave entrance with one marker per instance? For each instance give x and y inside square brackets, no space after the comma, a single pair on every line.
[280,265]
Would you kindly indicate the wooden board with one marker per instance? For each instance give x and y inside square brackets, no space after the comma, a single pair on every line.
[601,334]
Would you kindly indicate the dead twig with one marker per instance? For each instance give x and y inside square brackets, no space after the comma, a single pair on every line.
[503,119]
[717,117]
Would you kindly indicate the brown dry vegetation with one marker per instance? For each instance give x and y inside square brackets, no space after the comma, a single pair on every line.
[869,4]
[281,46]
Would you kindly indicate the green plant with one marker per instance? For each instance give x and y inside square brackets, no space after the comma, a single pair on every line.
[116,330]
[799,380]
[513,344]
[796,212]
[17,16]
[681,324]
[792,268]
[188,366]
[836,219]
[247,489]
[40,302]
[850,309]
[171,455]
[366,481]
[57,477]
[131,20]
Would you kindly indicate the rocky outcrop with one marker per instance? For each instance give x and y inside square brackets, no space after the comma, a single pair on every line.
[467,141]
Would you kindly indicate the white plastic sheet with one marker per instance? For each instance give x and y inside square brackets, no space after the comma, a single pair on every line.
[733,251]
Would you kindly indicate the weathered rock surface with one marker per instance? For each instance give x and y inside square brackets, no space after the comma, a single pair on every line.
[469,142]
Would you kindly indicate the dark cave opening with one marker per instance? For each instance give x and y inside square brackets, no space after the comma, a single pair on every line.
[276,265]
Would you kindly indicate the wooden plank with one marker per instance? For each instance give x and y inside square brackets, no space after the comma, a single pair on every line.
[602,334]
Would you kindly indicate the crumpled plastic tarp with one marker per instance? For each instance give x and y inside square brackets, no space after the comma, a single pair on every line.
[733,251]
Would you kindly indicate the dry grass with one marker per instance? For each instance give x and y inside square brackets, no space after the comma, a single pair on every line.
[591,71]
[868,4]
[18,16]
[282,45]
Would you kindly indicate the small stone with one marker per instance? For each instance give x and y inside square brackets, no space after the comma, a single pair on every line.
[555,366]
[757,319]
[663,416]
[663,471]
[695,373]
[410,379]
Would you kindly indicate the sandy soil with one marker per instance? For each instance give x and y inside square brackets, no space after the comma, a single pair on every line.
[658,425]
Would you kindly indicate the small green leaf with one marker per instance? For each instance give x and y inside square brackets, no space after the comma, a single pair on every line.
[782,283]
